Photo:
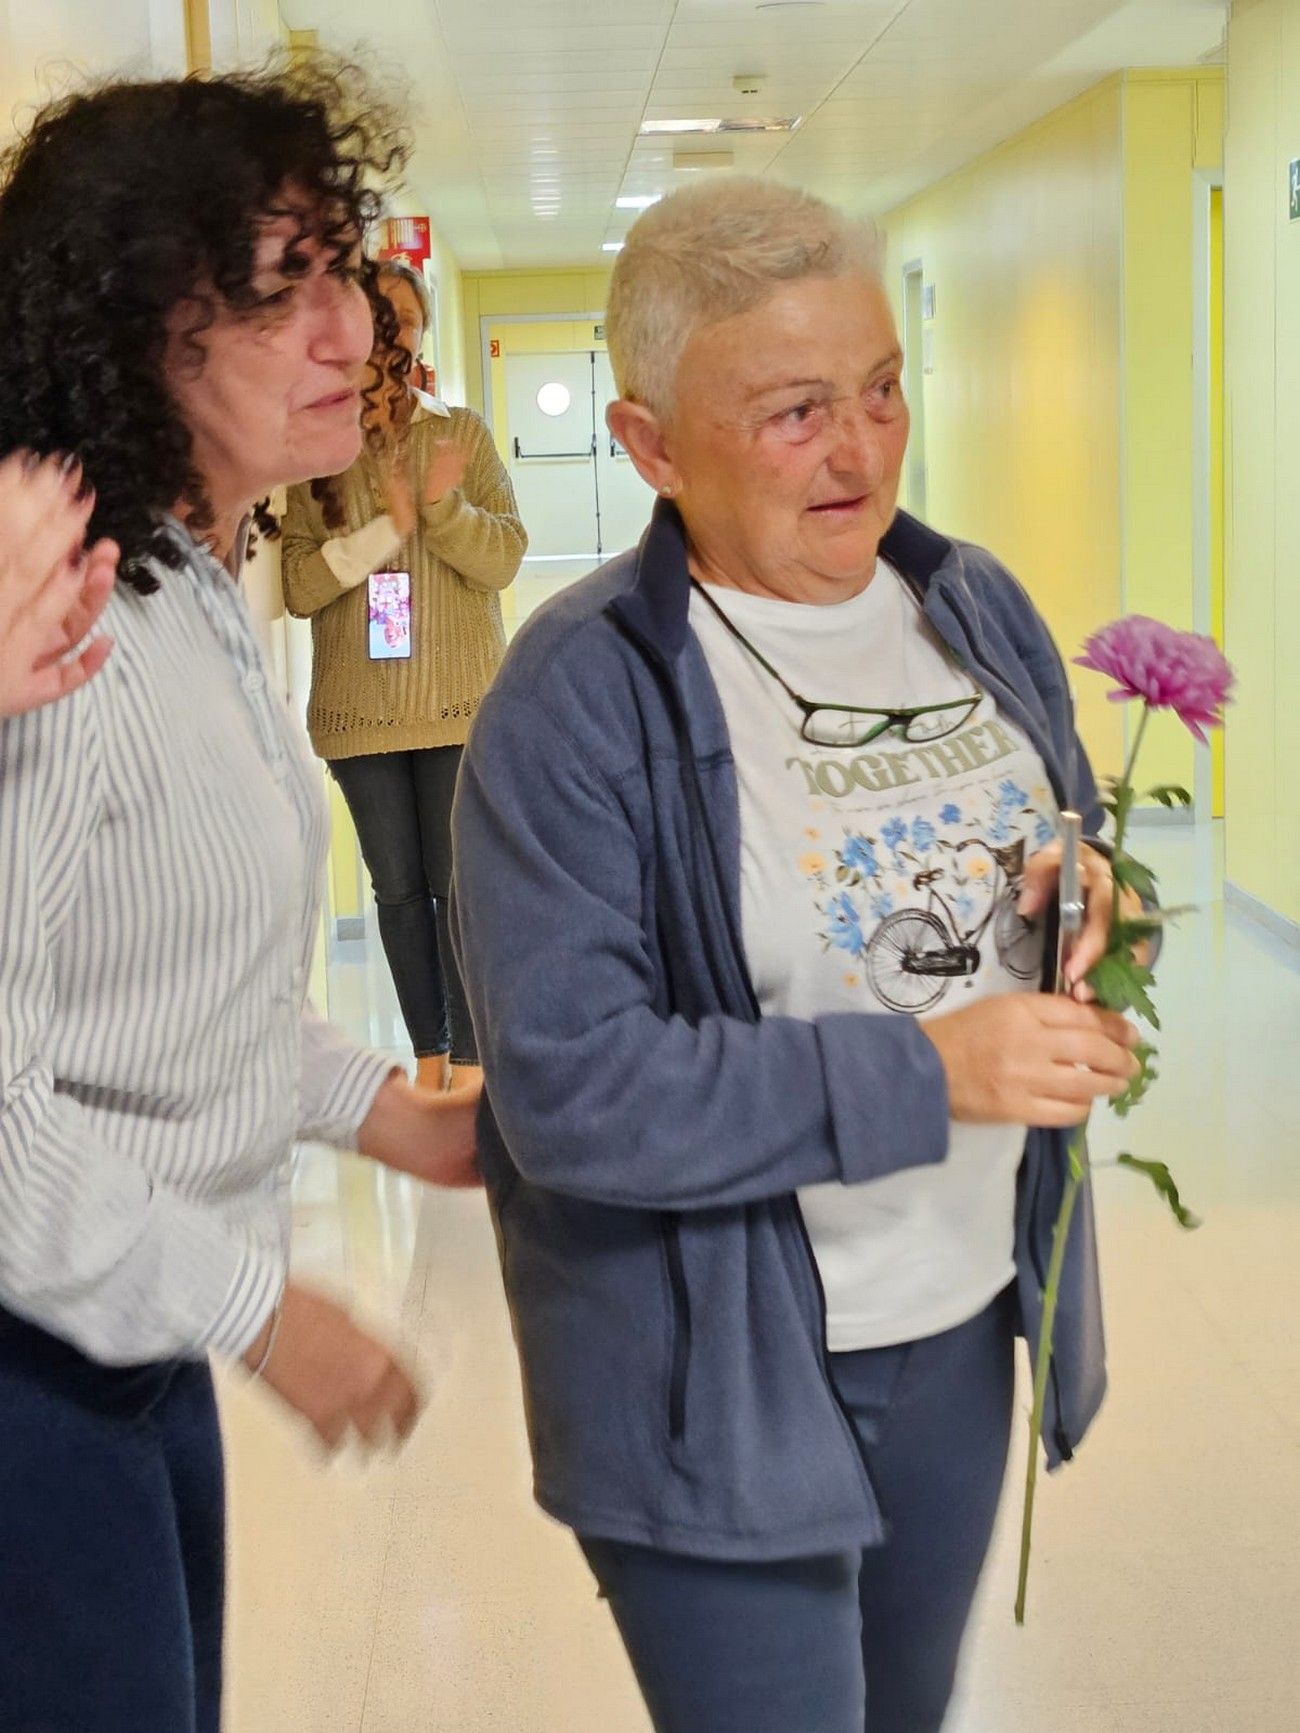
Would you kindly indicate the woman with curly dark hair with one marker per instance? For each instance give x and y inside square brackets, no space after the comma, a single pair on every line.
[184,312]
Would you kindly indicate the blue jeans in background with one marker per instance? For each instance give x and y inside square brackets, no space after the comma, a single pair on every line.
[401,806]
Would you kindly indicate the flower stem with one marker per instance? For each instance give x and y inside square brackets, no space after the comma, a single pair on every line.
[1077,1152]
[1043,1355]
[1121,822]
[1123,809]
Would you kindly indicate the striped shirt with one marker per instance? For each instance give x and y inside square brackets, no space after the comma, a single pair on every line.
[162,842]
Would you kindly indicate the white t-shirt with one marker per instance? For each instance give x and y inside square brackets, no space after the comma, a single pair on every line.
[883,879]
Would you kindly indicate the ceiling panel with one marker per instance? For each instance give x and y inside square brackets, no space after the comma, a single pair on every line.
[530,109]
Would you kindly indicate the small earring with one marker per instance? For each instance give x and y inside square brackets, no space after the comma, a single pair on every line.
[669,492]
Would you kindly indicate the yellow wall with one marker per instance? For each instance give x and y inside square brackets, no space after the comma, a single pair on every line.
[1022,409]
[1059,409]
[1262,293]
[452,362]
[515,294]
[1172,124]
[1218,569]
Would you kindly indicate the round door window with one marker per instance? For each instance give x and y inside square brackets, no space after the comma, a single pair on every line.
[554,399]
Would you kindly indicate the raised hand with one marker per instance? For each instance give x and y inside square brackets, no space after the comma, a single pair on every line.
[445,473]
[400,501]
[52,588]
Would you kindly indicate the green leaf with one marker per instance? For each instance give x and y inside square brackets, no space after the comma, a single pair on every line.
[1136,1092]
[1127,933]
[1152,920]
[1123,985]
[1133,876]
[1168,794]
[1161,1178]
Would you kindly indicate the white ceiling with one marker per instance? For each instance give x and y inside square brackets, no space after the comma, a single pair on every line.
[530,109]
[46,46]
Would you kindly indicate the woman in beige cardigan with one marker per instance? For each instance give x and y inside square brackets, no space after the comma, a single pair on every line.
[429,497]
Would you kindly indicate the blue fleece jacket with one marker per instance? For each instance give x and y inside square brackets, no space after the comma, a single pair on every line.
[644,1130]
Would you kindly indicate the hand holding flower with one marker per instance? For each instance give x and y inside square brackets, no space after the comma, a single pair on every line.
[1042,875]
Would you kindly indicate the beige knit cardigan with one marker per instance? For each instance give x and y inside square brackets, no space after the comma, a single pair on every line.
[464,551]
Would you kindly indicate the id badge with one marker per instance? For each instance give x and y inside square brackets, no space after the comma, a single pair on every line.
[389,616]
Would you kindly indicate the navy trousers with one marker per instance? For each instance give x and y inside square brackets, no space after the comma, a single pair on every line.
[853,1640]
[112,1542]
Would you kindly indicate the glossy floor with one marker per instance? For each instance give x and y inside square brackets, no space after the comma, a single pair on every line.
[426,1595]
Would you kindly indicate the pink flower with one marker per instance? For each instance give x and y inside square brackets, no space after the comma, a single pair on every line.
[1179,671]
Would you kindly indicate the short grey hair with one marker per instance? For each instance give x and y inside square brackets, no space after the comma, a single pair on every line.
[709,252]
[397,270]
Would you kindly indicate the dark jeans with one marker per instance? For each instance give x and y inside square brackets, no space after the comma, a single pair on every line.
[401,805]
[865,1639]
[112,1542]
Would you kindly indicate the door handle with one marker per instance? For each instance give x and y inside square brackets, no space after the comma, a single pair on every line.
[526,455]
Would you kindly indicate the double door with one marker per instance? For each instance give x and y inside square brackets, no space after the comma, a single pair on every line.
[579,496]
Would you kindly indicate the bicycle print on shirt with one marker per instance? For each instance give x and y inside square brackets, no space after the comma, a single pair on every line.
[918,904]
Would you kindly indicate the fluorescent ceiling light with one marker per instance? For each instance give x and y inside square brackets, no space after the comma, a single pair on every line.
[651,128]
[638,201]
[784,123]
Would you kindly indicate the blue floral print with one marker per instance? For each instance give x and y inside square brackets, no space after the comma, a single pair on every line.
[859,856]
[844,929]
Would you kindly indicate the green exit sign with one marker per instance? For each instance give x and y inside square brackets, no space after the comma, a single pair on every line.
[1295,189]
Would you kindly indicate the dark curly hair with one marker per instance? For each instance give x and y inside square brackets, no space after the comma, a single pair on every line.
[120,203]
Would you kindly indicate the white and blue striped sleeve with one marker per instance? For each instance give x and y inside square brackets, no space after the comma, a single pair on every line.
[90,1248]
[338,1084]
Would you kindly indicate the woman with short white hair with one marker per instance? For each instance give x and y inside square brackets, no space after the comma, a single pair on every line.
[755,846]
